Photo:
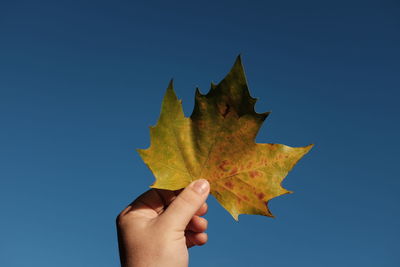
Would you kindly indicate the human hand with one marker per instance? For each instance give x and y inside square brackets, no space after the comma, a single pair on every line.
[160,225]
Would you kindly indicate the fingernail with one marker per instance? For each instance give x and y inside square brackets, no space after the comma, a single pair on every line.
[201,186]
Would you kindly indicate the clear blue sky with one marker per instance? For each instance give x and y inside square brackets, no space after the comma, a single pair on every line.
[81,81]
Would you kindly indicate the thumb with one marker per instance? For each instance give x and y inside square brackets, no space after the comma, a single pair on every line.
[186,204]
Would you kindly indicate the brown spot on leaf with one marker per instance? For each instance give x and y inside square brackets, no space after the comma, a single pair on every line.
[260,196]
[201,124]
[234,171]
[254,174]
[222,166]
[224,109]
[229,184]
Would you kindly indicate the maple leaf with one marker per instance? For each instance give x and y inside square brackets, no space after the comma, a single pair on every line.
[217,143]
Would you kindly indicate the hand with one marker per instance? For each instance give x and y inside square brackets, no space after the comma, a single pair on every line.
[159,226]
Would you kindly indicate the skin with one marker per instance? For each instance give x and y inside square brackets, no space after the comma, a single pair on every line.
[160,225]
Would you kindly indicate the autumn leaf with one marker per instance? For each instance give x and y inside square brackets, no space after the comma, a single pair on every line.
[217,143]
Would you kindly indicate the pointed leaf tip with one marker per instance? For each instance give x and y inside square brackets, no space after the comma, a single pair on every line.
[238,64]
[198,93]
[239,58]
[171,84]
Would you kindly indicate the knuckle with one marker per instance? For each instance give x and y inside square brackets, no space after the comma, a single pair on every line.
[205,223]
[122,216]
[119,220]
[184,200]
[122,219]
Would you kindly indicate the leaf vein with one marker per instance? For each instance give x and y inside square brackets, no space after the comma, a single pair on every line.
[244,200]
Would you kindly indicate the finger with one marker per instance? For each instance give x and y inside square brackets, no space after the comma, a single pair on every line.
[186,204]
[197,224]
[177,192]
[195,239]
[167,196]
[154,199]
[203,210]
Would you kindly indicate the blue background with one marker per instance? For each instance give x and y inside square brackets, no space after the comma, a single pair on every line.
[81,81]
